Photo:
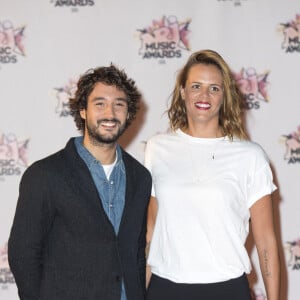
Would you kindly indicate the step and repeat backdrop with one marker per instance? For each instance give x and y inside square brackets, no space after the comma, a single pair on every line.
[45,45]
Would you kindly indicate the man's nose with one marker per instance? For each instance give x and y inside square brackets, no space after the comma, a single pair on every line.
[109,111]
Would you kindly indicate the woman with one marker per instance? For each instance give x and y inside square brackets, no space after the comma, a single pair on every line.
[209,180]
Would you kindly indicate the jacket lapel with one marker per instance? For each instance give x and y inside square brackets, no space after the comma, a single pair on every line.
[130,189]
[78,177]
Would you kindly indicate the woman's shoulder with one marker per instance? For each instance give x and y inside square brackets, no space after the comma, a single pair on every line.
[251,148]
[161,137]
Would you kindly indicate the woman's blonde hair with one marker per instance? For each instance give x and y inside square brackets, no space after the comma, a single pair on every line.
[230,115]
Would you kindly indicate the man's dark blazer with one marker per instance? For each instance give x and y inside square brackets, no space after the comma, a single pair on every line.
[62,245]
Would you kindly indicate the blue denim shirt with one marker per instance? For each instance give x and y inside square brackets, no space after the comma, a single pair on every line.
[111,191]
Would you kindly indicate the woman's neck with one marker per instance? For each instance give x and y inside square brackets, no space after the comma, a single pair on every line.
[204,132]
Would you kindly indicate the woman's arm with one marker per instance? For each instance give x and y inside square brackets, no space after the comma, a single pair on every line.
[265,240]
[152,211]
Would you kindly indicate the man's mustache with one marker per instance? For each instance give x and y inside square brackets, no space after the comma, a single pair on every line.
[108,120]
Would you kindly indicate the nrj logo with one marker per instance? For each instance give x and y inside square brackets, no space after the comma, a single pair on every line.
[292,146]
[292,250]
[291,35]
[73,3]
[253,86]
[63,94]
[11,42]
[165,39]
[6,277]
[235,2]
[13,155]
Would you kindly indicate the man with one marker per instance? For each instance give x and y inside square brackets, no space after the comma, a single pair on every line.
[79,228]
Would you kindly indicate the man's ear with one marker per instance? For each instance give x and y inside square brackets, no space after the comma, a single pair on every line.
[83,113]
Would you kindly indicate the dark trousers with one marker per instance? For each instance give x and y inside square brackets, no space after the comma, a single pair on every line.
[163,289]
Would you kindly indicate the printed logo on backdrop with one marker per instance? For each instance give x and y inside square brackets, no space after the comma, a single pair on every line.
[291,35]
[292,250]
[292,146]
[63,94]
[73,4]
[11,42]
[253,86]
[234,2]
[13,155]
[6,277]
[164,39]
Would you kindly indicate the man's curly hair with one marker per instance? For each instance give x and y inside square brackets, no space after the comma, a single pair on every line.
[112,76]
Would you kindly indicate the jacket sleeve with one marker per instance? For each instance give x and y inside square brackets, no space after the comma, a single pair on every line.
[27,239]
[142,255]
[142,237]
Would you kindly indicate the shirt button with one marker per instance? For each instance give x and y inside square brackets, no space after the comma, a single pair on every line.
[118,278]
[111,182]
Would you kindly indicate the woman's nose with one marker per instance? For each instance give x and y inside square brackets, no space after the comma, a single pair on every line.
[205,92]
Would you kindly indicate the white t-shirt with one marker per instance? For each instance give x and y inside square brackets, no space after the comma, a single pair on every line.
[204,188]
[109,168]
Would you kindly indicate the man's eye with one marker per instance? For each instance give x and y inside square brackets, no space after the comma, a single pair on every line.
[121,104]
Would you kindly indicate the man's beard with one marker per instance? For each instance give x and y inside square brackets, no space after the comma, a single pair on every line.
[109,138]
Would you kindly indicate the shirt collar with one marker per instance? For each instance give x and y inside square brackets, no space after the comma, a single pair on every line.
[89,159]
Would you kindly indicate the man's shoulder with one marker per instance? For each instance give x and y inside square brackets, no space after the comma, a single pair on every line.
[132,162]
[45,165]
[51,161]
[128,158]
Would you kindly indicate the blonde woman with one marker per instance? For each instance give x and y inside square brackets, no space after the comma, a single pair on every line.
[209,180]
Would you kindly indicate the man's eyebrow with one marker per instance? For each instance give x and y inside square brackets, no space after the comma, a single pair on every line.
[103,98]
[98,98]
[122,99]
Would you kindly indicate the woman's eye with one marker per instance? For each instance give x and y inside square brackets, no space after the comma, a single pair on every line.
[214,89]
[195,86]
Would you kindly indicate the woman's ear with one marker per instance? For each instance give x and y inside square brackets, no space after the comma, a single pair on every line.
[182,93]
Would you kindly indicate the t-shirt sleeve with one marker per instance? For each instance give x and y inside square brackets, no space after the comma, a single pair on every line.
[260,179]
[148,163]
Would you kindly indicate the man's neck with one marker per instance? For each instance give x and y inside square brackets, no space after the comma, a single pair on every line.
[105,153]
